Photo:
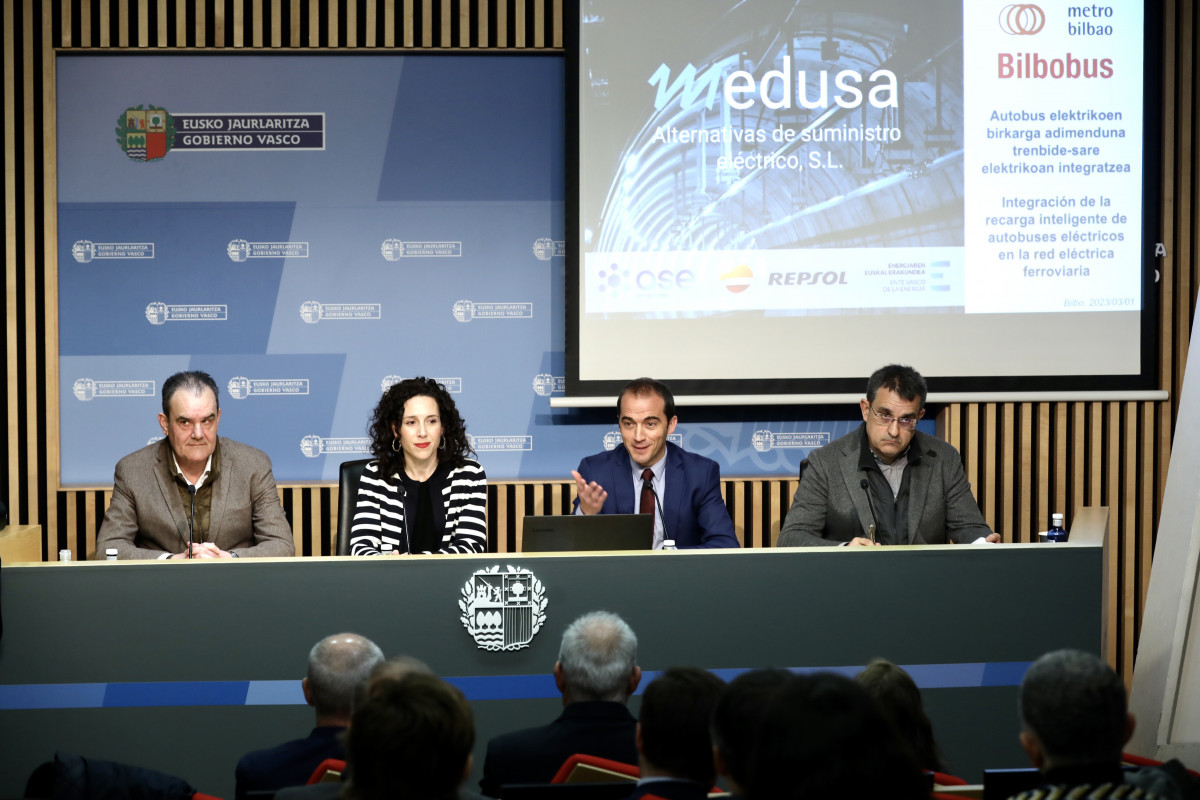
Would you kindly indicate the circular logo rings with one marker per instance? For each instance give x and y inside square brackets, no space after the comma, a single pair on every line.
[1022,19]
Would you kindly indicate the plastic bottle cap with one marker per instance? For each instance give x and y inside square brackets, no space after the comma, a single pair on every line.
[64,555]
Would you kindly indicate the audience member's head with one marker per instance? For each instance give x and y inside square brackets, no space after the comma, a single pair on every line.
[392,669]
[1073,711]
[673,726]
[823,736]
[337,665]
[736,719]
[411,737]
[597,660]
[900,701]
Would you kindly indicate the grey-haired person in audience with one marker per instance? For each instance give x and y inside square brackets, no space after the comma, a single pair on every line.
[337,666]
[1075,724]
[596,672]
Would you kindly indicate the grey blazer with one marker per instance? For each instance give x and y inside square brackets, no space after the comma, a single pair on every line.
[146,517]
[831,507]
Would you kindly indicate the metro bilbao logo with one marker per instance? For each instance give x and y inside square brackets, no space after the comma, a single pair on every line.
[1022,19]
[778,89]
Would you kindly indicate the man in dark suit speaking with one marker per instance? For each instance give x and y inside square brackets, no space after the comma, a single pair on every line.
[193,495]
[885,482]
[650,472]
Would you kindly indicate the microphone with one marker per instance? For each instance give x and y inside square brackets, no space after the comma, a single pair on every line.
[649,484]
[866,487]
[191,517]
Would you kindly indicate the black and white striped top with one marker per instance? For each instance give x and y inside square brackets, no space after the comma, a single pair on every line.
[379,512]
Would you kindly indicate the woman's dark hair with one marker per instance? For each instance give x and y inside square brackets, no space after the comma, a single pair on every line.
[823,736]
[899,699]
[454,448]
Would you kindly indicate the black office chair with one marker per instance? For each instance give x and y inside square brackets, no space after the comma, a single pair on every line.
[347,492]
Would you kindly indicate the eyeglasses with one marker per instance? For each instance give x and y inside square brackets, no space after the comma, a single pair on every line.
[886,420]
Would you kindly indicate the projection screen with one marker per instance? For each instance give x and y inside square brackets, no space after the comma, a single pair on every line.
[779,196]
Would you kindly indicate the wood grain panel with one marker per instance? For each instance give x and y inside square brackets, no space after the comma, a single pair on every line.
[1058,502]
[1009,474]
[13,466]
[32,387]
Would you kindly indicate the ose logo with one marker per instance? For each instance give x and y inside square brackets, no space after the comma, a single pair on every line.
[665,279]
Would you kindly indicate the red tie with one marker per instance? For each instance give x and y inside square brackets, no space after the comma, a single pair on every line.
[646,506]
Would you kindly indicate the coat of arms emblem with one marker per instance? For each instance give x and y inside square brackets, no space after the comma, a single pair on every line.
[503,609]
[145,133]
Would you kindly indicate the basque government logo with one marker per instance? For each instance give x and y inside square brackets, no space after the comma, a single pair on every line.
[145,133]
[148,133]
[238,250]
[503,610]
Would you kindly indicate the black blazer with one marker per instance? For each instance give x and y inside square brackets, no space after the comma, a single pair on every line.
[533,755]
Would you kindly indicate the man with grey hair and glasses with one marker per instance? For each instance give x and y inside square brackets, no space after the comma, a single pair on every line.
[193,495]
[885,482]
[338,668]
[596,672]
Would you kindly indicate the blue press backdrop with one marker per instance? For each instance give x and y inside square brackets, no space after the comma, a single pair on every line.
[425,238]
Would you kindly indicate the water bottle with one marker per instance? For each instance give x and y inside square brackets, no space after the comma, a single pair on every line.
[110,554]
[64,555]
[385,549]
[1057,532]
[669,544]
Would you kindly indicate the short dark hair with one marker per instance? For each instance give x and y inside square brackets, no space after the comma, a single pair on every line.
[675,717]
[737,715]
[823,736]
[390,409]
[642,387]
[899,698]
[411,736]
[193,381]
[904,381]
[389,670]
[1075,705]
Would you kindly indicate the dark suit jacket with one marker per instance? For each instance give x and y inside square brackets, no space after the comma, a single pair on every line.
[694,515]
[533,755]
[830,505]
[318,791]
[289,764]
[147,518]
[670,790]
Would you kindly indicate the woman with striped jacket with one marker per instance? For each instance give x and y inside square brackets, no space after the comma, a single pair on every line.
[421,494]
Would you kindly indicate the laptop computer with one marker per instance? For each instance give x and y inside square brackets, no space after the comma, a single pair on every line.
[587,532]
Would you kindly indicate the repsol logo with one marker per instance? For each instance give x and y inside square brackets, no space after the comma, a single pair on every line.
[807,279]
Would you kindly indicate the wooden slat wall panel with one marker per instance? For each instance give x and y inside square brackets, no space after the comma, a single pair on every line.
[1024,460]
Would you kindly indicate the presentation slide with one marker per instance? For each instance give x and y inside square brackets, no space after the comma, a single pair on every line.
[953,184]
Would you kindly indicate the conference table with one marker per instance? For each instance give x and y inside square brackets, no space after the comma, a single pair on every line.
[185,666]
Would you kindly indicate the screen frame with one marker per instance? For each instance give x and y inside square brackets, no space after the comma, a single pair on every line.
[1143,386]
